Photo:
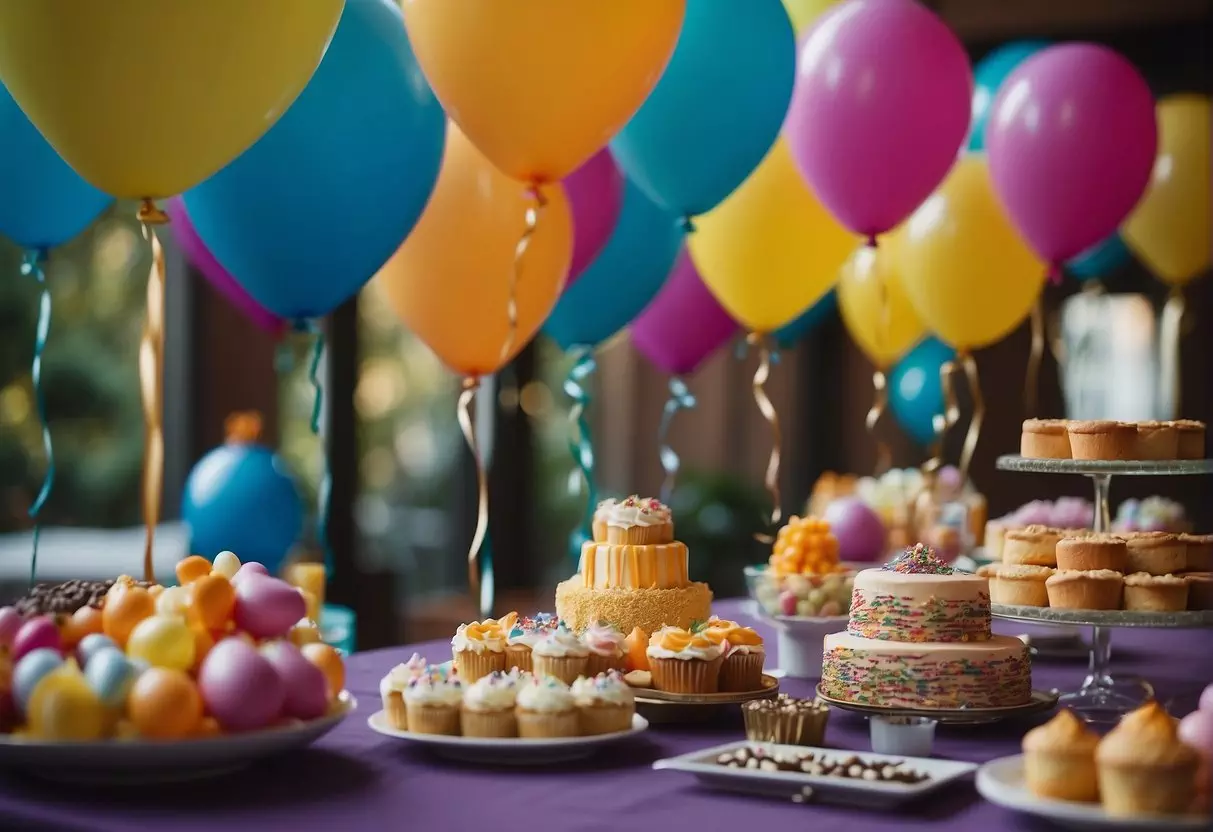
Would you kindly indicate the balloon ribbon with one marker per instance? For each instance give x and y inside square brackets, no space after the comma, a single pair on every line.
[951,415]
[151,384]
[1036,354]
[480,559]
[324,494]
[1170,331]
[581,444]
[32,265]
[524,242]
[680,399]
[880,402]
[767,409]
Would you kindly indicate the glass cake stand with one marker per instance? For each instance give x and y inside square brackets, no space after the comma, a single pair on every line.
[1102,697]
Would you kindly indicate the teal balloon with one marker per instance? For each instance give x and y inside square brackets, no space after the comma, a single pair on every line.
[790,334]
[43,202]
[915,390]
[1101,259]
[306,216]
[622,279]
[718,107]
[988,75]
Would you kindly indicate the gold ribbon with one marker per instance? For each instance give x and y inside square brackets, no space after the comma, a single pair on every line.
[482,595]
[151,384]
[979,412]
[880,402]
[943,422]
[524,242]
[1036,354]
[1170,334]
[767,409]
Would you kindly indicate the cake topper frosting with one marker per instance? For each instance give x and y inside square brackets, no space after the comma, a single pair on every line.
[919,559]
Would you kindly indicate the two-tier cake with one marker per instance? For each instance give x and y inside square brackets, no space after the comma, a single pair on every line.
[919,637]
[633,573]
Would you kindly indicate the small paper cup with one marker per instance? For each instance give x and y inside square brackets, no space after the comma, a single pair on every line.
[903,736]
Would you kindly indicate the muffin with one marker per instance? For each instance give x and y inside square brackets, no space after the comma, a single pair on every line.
[744,654]
[521,638]
[639,521]
[1156,441]
[684,662]
[606,647]
[545,708]
[559,653]
[785,720]
[1033,545]
[1200,590]
[1144,768]
[605,703]
[1102,439]
[488,706]
[1059,759]
[1021,585]
[1199,549]
[1044,439]
[1158,553]
[1095,551]
[1191,444]
[478,649]
[1155,593]
[996,531]
[391,688]
[432,703]
[1099,589]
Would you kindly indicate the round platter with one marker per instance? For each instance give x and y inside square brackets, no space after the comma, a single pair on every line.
[1191,620]
[770,687]
[663,708]
[118,761]
[1119,467]
[1040,701]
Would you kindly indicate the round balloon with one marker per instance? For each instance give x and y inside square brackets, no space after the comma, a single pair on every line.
[875,308]
[308,215]
[988,75]
[804,12]
[148,99]
[1100,260]
[449,283]
[624,278]
[717,108]
[540,86]
[595,193]
[787,336]
[916,390]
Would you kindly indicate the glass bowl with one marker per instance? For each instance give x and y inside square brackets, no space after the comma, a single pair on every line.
[800,596]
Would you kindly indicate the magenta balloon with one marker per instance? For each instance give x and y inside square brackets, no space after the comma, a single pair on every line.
[860,531]
[684,324]
[202,259]
[1071,142]
[595,193]
[880,109]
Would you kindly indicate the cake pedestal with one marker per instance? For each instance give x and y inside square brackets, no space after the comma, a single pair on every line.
[1103,697]
[799,640]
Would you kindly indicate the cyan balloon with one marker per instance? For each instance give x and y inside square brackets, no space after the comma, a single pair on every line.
[787,337]
[307,215]
[43,202]
[1101,259]
[622,279]
[718,107]
[915,391]
[988,75]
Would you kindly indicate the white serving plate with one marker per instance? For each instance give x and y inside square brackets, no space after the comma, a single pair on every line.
[809,787]
[507,752]
[1001,782]
[135,761]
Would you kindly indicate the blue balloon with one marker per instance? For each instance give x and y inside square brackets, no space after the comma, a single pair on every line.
[915,391]
[241,497]
[1101,259]
[307,215]
[622,279]
[718,107]
[988,76]
[43,202]
[787,337]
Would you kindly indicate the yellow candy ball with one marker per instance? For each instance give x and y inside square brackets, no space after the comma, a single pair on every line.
[163,641]
[226,564]
[63,708]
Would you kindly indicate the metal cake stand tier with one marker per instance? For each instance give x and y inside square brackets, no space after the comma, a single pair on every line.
[1040,701]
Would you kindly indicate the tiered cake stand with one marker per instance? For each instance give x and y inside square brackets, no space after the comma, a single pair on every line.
[1102,697]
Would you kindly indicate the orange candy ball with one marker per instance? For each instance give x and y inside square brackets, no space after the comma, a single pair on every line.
[122,611]
[164,704]
[192,568]
[330,663]
[203,642]
[212,599]
[84,621]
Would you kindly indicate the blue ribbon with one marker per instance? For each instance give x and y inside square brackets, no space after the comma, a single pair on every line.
[680,399]
[581,443]
[743,349]
[32,265]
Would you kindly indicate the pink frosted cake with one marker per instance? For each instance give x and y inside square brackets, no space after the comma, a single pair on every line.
[919,636]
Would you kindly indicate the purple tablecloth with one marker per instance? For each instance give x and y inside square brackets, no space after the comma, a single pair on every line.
[356,780]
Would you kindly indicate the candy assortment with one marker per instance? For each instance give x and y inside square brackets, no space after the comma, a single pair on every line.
[804,576]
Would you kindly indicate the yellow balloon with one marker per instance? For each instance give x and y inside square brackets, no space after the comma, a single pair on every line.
[771,250]
[1170,228]
[875,308]
[148,99]
[969,275]
[449,281]
[805,12]
[540,86]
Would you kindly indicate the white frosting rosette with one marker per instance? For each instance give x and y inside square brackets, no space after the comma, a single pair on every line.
[495,692]
[559,643]
[603,640]
[604,689]
[398,677]
[545,694]
[434,689]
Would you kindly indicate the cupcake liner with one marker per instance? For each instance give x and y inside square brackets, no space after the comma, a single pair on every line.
[800,728]
[564,668]
[1062,776]
[596,664]
[519,656]
[1132,790]
[600,531]
[741,672]
[433,719]
[472,665]
[686,675]
[639,535]
[393,706]
[536,725]
[605,719]
[497,724]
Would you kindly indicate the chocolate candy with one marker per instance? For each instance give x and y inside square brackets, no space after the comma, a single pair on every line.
[65,598]
[820,765]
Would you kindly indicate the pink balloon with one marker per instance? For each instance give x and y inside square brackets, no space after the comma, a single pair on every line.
[202,259]
[595,193]
[880,109]
[684,324]
[1071,142]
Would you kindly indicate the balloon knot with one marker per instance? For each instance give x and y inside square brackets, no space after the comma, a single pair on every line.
[688,225]
[870,242]
[243,428]
[471,383]
[1055,274]
[150,213]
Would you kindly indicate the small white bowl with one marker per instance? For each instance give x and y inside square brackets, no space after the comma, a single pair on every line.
[903,736]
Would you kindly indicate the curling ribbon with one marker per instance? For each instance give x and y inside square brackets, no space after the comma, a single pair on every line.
[151,384]
[324,493]
[761,375]
[32,265]
[943,422]
[680,399]
[524,242]
[1036,354]
[581,444]
[880,402]
[480,558]
[979,412]
[1170,333]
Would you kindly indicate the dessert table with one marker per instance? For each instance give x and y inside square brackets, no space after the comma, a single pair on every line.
[356,780]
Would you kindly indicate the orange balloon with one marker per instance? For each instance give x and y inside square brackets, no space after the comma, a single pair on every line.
[123,611]
[449,281]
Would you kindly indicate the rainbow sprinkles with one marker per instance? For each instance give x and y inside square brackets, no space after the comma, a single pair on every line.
[920,559]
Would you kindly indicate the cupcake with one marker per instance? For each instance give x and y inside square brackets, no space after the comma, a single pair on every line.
[744,654]
[1094,551]
[1156,441]
[1155,593]
[1022,586]
[1100,589]
[606,646]
[1044,439]
[785,720]
[1059,759]
[545,709]
[684,662]
[1144,768]
[639,521]
[1033,545]
[1191,444]
[1200,590]
[604,703]
[1158,553]
[1199,549]
[521,638]
[1102,439]
[391,688]
[488,706]
[479,649]
[431,703]
[559,653]
[599,524]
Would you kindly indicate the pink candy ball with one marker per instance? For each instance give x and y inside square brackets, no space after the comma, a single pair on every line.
[305,683]
[1196,730]
[10,623]
[35,634]
[267,607]
[239,686]
[1206,700]
[860,531]
[251,569]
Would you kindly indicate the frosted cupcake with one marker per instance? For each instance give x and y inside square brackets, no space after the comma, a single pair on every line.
[479,649]
[488,706]
[431,703]
[391,688]
[604,702]
[521,637]
[606,646]
[546,708]
[559,653]
[744,654]
[639,521]
[684,662]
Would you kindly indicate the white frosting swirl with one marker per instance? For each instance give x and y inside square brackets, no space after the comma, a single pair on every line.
[605,688]
[558,643]
[604,508]
[546,694]
[603,640]
[695,648]
[744,648]
[495,692]
[633,512]
[471,637]
[434,689]
[399,676]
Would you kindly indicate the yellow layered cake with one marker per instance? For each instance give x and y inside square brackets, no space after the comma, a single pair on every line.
[633,574]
